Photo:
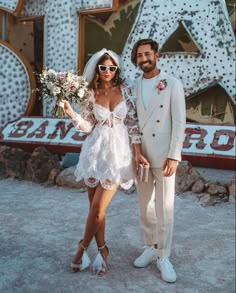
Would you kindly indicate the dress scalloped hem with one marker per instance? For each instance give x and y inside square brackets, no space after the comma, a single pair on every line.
[107,184]
[106,156]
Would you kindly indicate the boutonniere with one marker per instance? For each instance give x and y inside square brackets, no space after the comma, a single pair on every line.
[161,85]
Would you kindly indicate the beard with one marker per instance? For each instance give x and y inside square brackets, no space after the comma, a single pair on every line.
[147,66]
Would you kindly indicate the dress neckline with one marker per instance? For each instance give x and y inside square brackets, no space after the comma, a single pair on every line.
[97,104]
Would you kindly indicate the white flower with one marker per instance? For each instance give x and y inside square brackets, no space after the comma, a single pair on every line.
[70,77]
[50,85]
[44,75]
[56,91]
[52,73]
[76,84]
[81,92]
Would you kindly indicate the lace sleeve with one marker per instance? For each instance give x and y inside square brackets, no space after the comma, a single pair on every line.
[131,120]
[85,121]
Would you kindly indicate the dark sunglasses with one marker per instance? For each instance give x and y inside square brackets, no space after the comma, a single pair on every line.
[104,68]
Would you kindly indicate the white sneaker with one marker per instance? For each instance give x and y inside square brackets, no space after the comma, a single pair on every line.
[148,256]
[168,273]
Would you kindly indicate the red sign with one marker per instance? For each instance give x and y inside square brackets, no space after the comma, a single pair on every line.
[57,135]
[210,145]
[204,145]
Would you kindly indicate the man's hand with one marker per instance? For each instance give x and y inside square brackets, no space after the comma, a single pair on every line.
[169,167]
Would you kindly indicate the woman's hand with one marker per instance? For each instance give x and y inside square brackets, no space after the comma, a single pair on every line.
[67,108]
[140,159]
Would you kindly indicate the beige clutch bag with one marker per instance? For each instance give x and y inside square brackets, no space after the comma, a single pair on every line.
[143,173]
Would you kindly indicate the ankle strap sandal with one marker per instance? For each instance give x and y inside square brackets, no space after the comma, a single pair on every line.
[99,265]
[84,261]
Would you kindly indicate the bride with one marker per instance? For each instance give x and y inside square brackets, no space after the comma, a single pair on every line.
[106,160]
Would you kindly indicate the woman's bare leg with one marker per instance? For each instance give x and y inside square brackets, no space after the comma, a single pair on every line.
[96,218]
[101,199]
[100,234]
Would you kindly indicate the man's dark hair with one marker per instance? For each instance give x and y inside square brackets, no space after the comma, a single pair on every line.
[152,43]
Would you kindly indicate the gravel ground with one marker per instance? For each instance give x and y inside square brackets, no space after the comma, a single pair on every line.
[40,228]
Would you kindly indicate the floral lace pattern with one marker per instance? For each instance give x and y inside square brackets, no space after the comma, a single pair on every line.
[86,120]
[106,155]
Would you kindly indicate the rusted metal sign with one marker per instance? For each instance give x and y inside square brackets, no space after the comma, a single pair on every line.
[204,145]
[57,135]
[210,145]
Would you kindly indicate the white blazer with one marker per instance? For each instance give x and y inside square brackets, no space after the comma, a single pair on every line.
[162,123]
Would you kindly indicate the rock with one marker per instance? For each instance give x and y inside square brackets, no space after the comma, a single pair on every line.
[13,162]
[186,176]
[198,186]
[225,198]
[40,164]
[206,200]
[3,169]
[67,178]
[216,189]
[53,176]
[231,187]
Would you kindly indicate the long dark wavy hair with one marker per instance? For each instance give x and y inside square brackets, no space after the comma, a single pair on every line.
[95,84]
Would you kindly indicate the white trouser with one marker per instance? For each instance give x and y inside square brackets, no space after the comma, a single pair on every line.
[156,202]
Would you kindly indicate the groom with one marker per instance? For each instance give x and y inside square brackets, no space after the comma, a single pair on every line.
[161,113]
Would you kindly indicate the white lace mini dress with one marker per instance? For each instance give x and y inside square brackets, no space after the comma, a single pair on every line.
[106,156]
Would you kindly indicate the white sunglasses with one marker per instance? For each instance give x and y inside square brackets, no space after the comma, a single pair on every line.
[104,68]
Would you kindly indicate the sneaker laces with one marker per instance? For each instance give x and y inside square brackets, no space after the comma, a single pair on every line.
[147,250]
[166,263]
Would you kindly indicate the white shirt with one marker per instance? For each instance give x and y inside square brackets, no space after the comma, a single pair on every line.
[147,88]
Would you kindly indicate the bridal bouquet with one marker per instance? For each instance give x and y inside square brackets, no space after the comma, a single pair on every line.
[63,85]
